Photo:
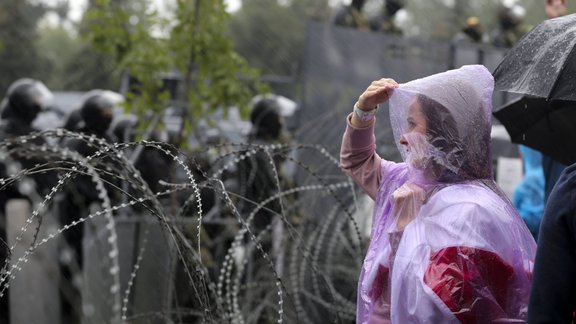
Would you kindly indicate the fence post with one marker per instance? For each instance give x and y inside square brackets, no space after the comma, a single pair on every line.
[153,286]
[33,293]
[98,299]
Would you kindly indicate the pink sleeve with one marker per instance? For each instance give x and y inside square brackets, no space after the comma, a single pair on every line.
[358,158]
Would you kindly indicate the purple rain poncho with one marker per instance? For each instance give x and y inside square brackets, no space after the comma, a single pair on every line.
[446,245]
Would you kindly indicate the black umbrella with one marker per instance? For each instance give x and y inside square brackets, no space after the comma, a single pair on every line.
[547,126]
[543,62]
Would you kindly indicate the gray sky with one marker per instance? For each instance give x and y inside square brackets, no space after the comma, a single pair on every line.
[77,7]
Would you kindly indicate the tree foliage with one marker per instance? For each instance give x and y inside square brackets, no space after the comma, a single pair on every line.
[19,55]
[73,65]
[191,41]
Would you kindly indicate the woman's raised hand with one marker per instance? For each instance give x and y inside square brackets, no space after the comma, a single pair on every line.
[408,199]
[377,92]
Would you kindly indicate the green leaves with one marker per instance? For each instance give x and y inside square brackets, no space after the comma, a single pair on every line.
[194,43]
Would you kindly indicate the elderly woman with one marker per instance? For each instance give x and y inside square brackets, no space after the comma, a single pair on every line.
[446,245]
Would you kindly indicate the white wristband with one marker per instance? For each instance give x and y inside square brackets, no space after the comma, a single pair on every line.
[365,115]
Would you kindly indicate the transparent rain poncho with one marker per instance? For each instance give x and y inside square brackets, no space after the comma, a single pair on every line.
[447,246]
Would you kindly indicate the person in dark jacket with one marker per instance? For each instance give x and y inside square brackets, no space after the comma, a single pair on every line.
[96,112]
[553,293]
[511,26]
[24,99]
[384,21]
[471,32]
[352,16]
[256,176]
[153,164]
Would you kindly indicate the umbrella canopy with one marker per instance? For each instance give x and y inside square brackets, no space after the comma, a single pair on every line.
[543,62]
[547,126]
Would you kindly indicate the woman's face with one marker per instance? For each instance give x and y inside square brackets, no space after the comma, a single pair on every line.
[416,123]
[419,151]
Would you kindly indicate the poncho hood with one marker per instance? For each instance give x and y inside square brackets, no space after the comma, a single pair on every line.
[458,107]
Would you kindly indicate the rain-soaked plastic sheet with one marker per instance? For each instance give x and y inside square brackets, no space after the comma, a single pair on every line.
[447,246]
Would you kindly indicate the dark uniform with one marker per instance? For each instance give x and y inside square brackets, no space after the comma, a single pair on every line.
[153,164]
[511,27]
[96,113]
[553,292]
[25,99]
[80,193]
[384,22]
[471,32]
[352,16]
[256,176]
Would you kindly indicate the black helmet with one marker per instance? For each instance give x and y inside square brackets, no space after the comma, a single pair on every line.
[358,4]
[265,118]
[393,6]
[510,17]
[25,98]
[97,112]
